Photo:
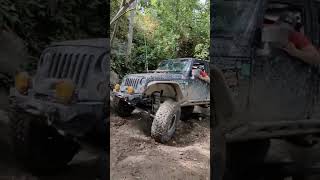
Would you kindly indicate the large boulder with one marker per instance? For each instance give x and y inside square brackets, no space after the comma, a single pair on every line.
[114,78]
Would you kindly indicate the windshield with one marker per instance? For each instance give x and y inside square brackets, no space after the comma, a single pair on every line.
[178,66]
[234,17]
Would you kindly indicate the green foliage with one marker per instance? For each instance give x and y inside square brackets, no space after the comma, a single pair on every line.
[165,29]
[39,22]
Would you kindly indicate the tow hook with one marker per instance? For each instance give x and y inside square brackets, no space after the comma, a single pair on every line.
[51,116]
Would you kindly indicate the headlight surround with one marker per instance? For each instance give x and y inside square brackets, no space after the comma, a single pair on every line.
[143,81]
[64,91]
[22,82]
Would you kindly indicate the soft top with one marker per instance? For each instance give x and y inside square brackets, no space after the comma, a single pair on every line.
[98,42]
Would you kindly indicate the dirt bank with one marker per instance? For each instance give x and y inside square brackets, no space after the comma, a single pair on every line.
[135,155]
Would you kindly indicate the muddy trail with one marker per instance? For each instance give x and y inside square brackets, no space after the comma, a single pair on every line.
[135,155]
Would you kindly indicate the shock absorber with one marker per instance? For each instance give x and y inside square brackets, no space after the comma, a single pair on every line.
[156,101]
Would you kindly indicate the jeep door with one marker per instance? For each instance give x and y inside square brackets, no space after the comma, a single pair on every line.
[197,89]
[273,91]
[281,85]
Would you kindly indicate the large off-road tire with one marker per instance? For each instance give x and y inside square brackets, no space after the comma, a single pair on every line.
[186,112]
[122,108]
[38,147]
[164,123]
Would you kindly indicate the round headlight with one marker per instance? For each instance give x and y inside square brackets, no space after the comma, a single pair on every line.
[143,81]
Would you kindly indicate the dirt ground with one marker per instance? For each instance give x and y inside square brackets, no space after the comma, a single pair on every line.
[135,155]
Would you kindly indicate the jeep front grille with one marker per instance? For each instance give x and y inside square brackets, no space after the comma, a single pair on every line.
[134,82]
[71,66]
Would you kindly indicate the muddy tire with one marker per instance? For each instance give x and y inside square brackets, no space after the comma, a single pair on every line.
[164,123]
[186,112]
[38,147]
[122,108]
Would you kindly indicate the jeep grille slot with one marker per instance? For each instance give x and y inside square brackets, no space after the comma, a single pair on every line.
[72,66]
[134,82]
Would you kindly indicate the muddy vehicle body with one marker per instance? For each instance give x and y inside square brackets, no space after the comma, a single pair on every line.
[259,91]
[63,106]
[167,94]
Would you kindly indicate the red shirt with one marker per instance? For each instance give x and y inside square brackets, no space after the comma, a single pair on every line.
[299,40]
[203,74]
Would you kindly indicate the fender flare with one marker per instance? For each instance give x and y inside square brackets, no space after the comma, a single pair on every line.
[175,86]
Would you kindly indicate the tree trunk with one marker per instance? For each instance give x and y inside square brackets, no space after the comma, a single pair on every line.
[130,33]
[176,27]
[116,25]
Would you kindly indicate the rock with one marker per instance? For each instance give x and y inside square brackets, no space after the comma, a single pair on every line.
[114,78]
[13,50]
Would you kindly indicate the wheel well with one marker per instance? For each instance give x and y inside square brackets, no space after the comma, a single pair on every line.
[171,90]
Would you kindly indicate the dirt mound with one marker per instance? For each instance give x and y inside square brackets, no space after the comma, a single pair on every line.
[135,155]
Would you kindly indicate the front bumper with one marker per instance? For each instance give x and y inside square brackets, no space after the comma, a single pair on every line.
[56,114]
[132,99]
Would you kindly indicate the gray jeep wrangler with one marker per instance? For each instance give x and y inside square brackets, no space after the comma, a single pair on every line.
[167,94]
[63,106]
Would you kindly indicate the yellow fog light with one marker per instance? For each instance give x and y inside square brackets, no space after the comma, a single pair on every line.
[130,90]
[22,82]
[117,88]
[64,91]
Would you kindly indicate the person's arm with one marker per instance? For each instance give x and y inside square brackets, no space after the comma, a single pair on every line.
[206,78]
[308,54]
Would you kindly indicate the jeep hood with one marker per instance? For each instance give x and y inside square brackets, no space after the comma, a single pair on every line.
[156,76]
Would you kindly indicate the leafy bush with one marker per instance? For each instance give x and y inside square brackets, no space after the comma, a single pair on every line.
[162,30]
[39,22]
